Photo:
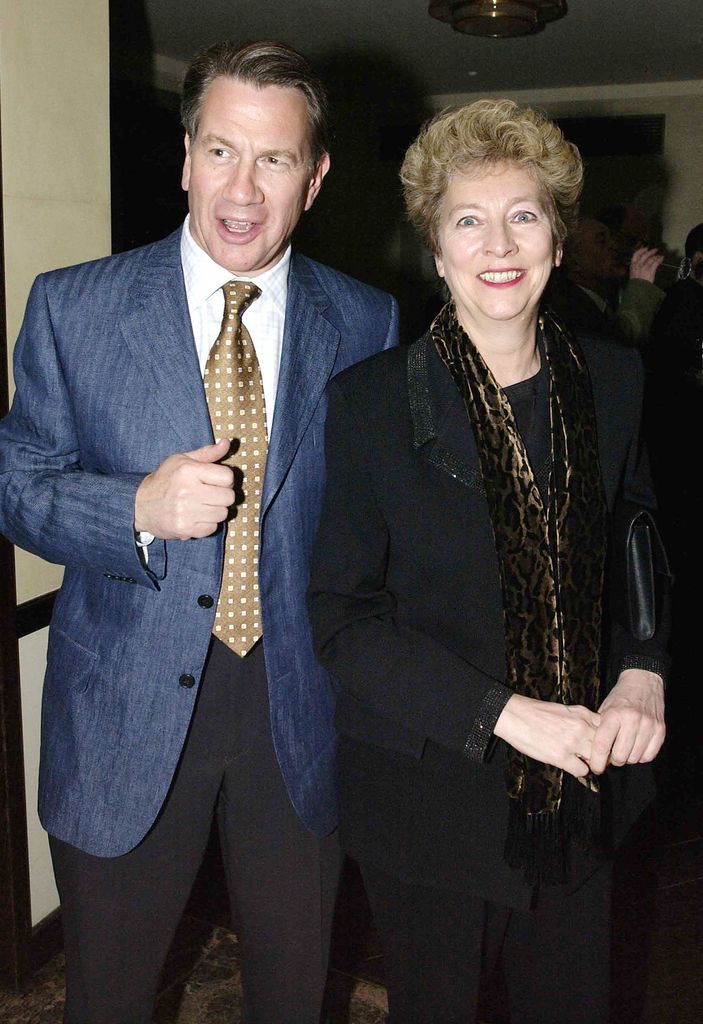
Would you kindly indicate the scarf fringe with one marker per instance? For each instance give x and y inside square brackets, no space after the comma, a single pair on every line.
[541,844]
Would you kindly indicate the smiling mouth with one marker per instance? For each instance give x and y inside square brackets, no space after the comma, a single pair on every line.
[501,276]
[238,226]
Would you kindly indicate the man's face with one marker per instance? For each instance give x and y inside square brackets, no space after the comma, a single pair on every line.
[592,252]
[248,173]
[632,233]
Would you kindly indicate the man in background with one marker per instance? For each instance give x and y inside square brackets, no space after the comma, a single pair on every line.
[166,445]
[600,290]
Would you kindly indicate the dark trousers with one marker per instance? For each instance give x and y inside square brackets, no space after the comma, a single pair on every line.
[554,959]
[120,914]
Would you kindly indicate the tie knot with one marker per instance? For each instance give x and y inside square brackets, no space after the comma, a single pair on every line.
[239,295]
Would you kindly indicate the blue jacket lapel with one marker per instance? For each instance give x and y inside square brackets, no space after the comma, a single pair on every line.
[310,344]
[158,333]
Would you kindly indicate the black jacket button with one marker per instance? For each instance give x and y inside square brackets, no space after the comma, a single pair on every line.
[186,680]
[205,601]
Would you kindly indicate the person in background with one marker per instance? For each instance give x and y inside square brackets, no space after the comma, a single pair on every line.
[674,428]
[599,292]
[165,444]
[629,230]
[489,700]
[677,332]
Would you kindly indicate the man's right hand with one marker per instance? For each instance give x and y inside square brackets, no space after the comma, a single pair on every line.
[187,496]
[645,263]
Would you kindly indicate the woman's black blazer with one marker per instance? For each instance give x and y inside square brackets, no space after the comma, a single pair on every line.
[405,603]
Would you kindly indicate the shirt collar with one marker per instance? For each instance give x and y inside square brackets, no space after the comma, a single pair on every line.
[598,299]
[203,277]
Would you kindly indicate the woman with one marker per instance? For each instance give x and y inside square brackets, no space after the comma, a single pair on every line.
[457,595]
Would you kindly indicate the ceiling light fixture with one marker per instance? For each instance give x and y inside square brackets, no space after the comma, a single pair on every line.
[497,18]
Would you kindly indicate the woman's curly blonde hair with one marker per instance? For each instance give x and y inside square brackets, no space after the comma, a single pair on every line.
[466,139]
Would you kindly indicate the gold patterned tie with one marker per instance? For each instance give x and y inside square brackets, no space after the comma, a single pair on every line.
[235,398]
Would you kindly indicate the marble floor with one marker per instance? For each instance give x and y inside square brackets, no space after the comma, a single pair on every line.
[210,995]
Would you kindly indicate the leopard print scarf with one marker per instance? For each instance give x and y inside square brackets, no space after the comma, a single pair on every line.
[552,568]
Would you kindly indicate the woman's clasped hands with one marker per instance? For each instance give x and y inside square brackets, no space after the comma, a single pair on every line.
[628,728]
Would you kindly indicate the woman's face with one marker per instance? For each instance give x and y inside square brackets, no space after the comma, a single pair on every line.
[495,247]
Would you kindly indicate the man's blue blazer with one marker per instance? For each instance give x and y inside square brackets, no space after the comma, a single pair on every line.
[108,386]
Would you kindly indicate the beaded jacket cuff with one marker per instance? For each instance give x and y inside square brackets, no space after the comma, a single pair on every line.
[479,739]
[657,665]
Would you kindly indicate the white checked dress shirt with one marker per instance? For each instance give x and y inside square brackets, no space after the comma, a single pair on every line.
[264,319]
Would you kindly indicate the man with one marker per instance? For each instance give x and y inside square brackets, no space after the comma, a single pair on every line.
[591,272]
[127,370]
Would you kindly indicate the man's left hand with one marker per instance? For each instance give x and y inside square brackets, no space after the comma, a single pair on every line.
[631,729]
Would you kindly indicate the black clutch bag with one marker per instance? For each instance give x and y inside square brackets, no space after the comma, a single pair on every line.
[640,576]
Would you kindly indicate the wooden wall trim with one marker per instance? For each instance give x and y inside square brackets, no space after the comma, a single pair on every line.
[33,615]
[46,940]
[15,905]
